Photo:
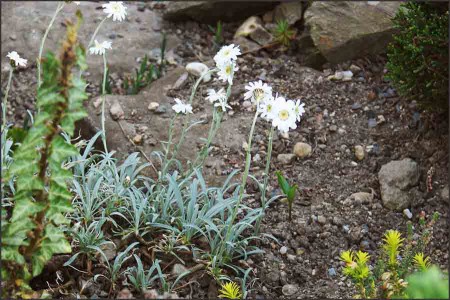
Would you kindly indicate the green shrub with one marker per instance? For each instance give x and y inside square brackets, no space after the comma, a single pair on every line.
[418,56]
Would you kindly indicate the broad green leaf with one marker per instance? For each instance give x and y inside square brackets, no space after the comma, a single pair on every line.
[15,233]
[291,193]
[284,185]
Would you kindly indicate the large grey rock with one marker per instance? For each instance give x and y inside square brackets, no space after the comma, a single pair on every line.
[396,180]
[290,11]
[213,11]
[343,30]
[24,24]
[253,28]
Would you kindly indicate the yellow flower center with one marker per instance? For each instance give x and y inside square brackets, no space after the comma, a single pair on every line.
[228,69]
[226,52]
[115,7]
[283,115]
[258,94]
[269,107]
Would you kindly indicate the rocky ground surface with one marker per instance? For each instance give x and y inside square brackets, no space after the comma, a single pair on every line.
[360,156]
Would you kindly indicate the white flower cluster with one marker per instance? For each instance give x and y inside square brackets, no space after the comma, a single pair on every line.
[226,62]
[115,9]
[181,107]
[16,59]
[118,12]
[100,48]
[284,114]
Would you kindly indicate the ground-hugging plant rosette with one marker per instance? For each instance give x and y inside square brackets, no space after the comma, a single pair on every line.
[126,229]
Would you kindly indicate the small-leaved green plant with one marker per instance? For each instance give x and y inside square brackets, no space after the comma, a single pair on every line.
[218,35]
[398,259]
[288,191]
[230,290]
[283,33]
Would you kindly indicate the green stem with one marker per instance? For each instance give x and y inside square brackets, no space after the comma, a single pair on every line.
[58,9]
[248,159]
[215,125]
[266,176]
[169,142]
[95,32]
[5,98]
[186,118]
[93,37]
[105,71]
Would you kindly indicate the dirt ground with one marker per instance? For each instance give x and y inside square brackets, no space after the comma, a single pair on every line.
[336,119]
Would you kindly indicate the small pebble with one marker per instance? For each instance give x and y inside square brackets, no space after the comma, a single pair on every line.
[283,250]
[153,106]
[407,213]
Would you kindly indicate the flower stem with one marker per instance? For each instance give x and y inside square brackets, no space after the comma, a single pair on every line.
[95,32]
[5,98]
[169,142]
[93,37]
[105,71]
[186,118]
[266,176]
[248,159]
[58,9]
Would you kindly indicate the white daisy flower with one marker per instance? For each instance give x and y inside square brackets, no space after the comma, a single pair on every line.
[77,2]
[226,54]
[226,71]
[214,96]
[115,9]
[299,109]
[15,57]
[284,115]
[180,107]
[222,103]
[266,108]
[258,91]
[100,48]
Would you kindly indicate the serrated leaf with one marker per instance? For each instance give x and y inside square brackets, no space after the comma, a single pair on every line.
[24,206]
[68,122]
[25,182]
[61,150]
[59,176]
[57,218]
[77,95]
[49,96]
[81,57]
[53,242]
[58,194]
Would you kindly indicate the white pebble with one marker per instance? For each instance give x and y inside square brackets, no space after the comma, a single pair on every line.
[407,213]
